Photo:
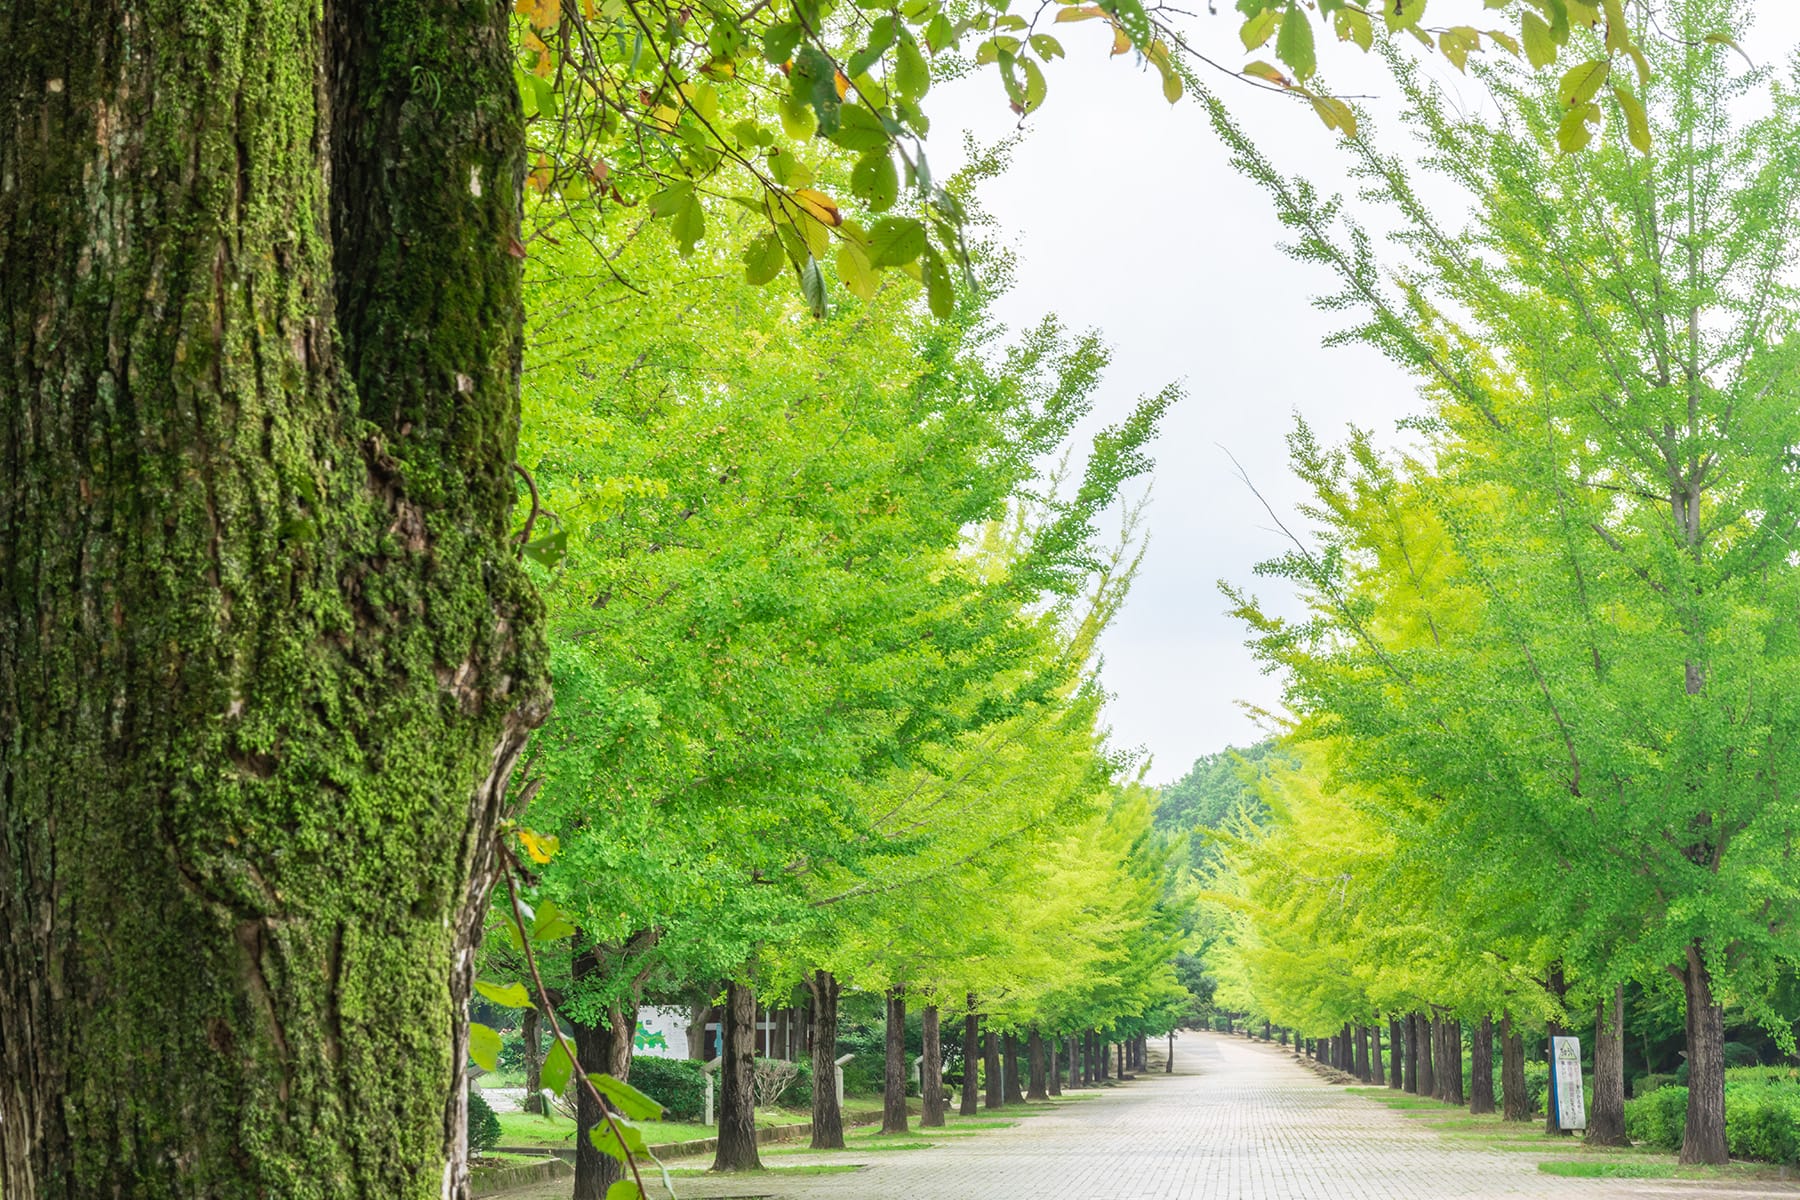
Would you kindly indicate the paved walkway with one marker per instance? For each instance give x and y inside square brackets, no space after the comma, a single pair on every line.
[1237,1121]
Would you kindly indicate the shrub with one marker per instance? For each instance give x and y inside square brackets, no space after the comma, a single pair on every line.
[1762,1116]
[1656,1118]
[1736,1055]
[1537,1083]
[800,1094]
[675,1083]
[1643,1085]
[773,1078]
[484,1126]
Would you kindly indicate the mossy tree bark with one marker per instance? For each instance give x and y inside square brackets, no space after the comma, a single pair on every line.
[736,1150]
[827,1117]
[931,1070]
[893,1090]
[266,654]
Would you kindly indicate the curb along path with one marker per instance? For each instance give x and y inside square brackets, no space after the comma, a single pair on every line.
[1237,1121]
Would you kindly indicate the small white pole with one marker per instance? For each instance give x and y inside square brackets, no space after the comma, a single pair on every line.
[708,1070]
[842,1059]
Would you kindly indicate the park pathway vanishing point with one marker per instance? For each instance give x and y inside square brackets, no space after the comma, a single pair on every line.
[1237,1121]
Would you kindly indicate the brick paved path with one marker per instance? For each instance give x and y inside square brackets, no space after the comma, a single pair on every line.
[1237,1121]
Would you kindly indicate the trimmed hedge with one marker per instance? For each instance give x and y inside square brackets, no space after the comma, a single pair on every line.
[1643,1085]
[1762,1115]
[675,1083]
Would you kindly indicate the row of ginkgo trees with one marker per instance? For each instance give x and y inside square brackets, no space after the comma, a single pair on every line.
[1542,706]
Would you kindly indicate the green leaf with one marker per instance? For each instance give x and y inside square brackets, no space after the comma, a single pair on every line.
[557,1067]
[779,41]
[1402,14]
[1457,43]
[860,129]
[689,225]
[1336,114]
[881,36]
[1260,28]
[507,995]
[671,200]
[624,1189]
[1353,25]
[1637,122]
[1573,134]
[1724,39]
[1035,87]
[896,241]
[1618,33]
[764,258]
[814,79]
[1046,47]
[876,180]
[854,271]
[912,77]
[812,286]
[627,1099]
[940,292]
[1295,44]
[549,550]
[1540,47]
[1581,84]
[608,1142]
[484,1046]
[551,923]
[543,92]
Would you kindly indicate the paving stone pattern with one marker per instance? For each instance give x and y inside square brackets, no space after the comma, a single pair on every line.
[1237,1121]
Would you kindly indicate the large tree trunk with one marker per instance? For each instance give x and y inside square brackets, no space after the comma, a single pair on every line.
[1362,1053]
[1053,1065]
[736,1150]
[1102,1058]
[993,1077]
[893,1089]
[1452,1063]
[971,1060]
[1481,1067]
[1034,1057]
[1410,1025]
[1396,1055]
[1009,1045]
[1074,1043]
[1606,1120]
[530,1030]
[266,654]
[605,1047]
[1703,1138]
[1377,1068]
[827,1117]
[1515,1102]
[931,1069]
[1425,1036]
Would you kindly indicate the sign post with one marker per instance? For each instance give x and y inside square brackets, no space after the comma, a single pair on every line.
[1566,1100]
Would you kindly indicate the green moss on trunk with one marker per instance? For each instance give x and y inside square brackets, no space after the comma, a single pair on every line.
[265,654]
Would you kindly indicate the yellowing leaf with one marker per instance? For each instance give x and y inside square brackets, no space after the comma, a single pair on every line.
[1581,84]
[1121,41]
[1505,41]
[1085,12]
[1540,44]
[1573,134]
[1618,33]
[819,206]
[1353,25]
[1457,42]
[1260,28]
[1637,122]
[854,271]
[1336,114]
[1262,70]
[544,14]
[541,847]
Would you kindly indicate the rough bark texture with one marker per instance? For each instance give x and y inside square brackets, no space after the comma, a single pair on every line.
[1515,1102]
[931,1069]
[971,1060]
[736,1149]
[1703,1138]
[1481,1067]
[1425,1037]
[1362,1054]
[1074,1043]
[1451,1064]
[1410,1028]
[602,1047]
[893,1090]
[991,1071]
[1015,1093]
[266,655]
[1396,1055]
[1053,1065]
[827,1117]
[1606,1119]
[1034,1056]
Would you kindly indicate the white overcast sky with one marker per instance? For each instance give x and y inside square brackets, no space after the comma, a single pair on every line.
[1127,218]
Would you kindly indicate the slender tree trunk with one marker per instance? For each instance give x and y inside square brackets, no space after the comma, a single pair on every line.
[1054,1065]
[1015,1092]
[1428,1085]
[1703,1137]
[1452,1063]
[971,1060]
[931,1070]
[267,656]
[697,1018]
[1481,1066]
[1169,1063]
[1606,1121]
[603,1048]
[1377,1071]
[1073,1041]
[993,1080]
[1087,1058]
[893,1092]
[1102,1058]
[1396,1055]
[530,1030]
[1362,1054]
[1121,1053]
[1410,1026]
[737,1084]
[1034,1057]
[827,1117]
[1515,1101]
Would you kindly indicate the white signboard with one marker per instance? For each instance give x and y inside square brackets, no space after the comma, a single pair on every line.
[1565,1082]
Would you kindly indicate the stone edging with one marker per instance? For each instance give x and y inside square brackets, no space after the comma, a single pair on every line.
[487,1181]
